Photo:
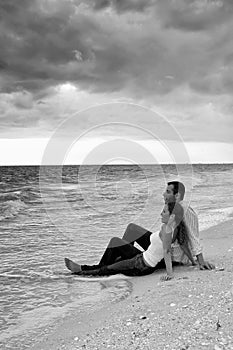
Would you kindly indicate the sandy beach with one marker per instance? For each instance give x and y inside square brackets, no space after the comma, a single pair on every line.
[192,311]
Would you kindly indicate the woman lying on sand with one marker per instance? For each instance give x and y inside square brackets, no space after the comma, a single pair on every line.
[122,257]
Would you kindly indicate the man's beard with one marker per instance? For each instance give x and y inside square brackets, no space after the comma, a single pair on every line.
[171,199]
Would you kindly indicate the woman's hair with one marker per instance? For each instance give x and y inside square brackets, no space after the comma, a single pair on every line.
[180,232]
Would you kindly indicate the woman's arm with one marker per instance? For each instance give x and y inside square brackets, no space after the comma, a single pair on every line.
[167,241]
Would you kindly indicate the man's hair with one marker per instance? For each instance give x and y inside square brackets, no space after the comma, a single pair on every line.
[178,187]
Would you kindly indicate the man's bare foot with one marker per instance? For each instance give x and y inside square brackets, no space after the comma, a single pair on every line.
[72,266]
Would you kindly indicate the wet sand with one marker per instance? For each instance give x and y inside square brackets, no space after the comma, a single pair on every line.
[192,311]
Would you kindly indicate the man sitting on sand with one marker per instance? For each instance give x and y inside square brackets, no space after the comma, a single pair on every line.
[127,259]
[121,247]
[175,191]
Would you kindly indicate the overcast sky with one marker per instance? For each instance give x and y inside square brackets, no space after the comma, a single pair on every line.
[59,57]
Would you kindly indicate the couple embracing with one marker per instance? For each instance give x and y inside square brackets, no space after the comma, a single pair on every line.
[177,242]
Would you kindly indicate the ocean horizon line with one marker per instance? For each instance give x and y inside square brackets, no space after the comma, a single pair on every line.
[113,164]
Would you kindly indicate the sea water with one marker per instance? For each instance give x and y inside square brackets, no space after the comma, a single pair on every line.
[50,213]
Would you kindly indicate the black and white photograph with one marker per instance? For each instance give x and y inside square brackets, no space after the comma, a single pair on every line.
[116,174]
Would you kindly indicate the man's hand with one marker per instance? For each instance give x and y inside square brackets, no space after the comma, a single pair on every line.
[205,265]
[166,278]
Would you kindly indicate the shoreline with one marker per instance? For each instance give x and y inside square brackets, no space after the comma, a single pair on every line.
[192,311]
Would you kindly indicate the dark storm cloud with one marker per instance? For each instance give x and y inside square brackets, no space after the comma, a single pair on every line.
[44,43]
[122,5]
[195,15]
[44,46]
[38,43]
[140,49]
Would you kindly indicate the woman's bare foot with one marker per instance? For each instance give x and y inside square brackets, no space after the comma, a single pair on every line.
[72,266]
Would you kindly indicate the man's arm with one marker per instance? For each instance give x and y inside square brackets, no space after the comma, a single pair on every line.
[191,221]
[187,252]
